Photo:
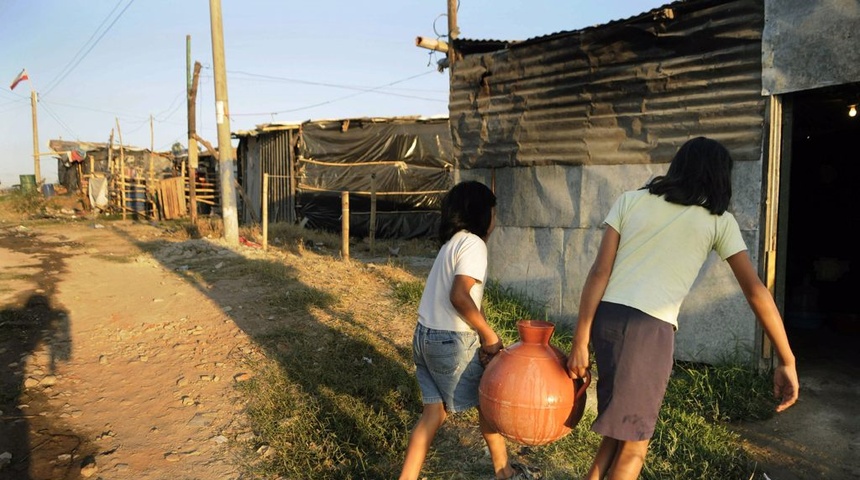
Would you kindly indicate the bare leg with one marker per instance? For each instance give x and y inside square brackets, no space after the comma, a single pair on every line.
[498,449]
[432,417]
[603,459]
[629,458]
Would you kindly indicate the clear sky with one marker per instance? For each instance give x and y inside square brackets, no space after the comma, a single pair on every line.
[98,62]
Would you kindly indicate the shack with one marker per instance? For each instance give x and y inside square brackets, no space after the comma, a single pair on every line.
[396,168]
[130,180]
[561,124]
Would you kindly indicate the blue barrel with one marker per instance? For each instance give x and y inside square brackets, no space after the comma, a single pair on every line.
[48,190]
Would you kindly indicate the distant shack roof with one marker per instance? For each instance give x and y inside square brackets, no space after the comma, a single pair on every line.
[278,126]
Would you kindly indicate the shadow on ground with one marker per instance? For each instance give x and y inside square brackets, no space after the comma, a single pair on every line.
[34,339]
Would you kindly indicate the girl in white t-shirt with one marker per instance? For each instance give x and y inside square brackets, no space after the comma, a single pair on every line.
[657,239]
[453,341]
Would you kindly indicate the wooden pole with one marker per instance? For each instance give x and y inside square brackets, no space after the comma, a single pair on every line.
[453,33]
[265,211]
[344,223]
[150,182]
[192,130]
[111,168]
[372,226]
[222,119]
[121,171]
[37,164]
[453,30]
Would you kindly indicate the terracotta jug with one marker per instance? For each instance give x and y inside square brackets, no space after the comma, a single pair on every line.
[526,393]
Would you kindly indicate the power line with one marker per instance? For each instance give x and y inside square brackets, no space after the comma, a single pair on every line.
[59,120]
[363,91]
[76,60]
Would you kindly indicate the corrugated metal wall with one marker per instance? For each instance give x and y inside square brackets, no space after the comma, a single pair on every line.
[278,163]
[630,92]
[563,124]
[267,152]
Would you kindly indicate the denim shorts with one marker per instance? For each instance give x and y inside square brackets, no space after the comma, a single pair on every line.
[447,367]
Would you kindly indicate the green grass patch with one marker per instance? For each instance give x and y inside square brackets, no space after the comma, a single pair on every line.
[335,403]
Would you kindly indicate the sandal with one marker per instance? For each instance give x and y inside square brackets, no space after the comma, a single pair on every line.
[524,472]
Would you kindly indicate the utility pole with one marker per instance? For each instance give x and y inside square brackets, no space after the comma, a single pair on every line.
[192,130]
[222,118]
[453,33]
[37,164]
[453,30]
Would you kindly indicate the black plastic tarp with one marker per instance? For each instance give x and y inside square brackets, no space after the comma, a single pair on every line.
[408,163]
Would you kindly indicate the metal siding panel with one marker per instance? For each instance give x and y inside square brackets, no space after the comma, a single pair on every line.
[630,93]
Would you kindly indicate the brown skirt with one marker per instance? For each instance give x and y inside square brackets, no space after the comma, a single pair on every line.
[634,353]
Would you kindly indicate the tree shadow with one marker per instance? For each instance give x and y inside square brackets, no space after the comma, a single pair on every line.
[34,339]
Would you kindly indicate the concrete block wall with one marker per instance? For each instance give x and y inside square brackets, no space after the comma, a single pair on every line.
[549,226]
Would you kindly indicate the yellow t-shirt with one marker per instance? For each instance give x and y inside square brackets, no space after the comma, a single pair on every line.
[663,247]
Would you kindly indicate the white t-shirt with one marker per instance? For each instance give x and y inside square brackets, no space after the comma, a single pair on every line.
[663,247]
[464,254]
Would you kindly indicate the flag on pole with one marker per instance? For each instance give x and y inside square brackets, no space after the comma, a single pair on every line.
[20,78]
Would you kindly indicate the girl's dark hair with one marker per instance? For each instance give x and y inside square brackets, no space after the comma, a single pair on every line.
[700,174]
[467,206]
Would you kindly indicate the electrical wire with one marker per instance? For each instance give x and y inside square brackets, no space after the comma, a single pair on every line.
[56,118]
[327,102]
[76,60]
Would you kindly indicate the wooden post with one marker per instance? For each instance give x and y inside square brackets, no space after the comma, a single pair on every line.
[372,226]
[265,211]
[344,223]
[150,178]
[121,171]
[111,168]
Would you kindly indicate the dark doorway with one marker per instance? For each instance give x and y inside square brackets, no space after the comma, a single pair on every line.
[821,252]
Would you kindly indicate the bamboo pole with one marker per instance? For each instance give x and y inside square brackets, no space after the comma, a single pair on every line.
[431,44]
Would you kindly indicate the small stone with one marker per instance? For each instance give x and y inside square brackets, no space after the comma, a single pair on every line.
[103,359]
[5,459]
[199,420]
[88,467]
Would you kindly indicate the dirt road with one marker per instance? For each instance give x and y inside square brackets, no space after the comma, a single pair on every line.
[118,366]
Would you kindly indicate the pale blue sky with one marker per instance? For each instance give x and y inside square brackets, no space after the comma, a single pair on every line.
[96,61]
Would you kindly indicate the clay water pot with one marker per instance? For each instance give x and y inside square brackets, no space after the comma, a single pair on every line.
[526,393]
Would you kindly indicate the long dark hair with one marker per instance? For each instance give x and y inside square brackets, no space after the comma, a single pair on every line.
[700,174]
[467,206]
